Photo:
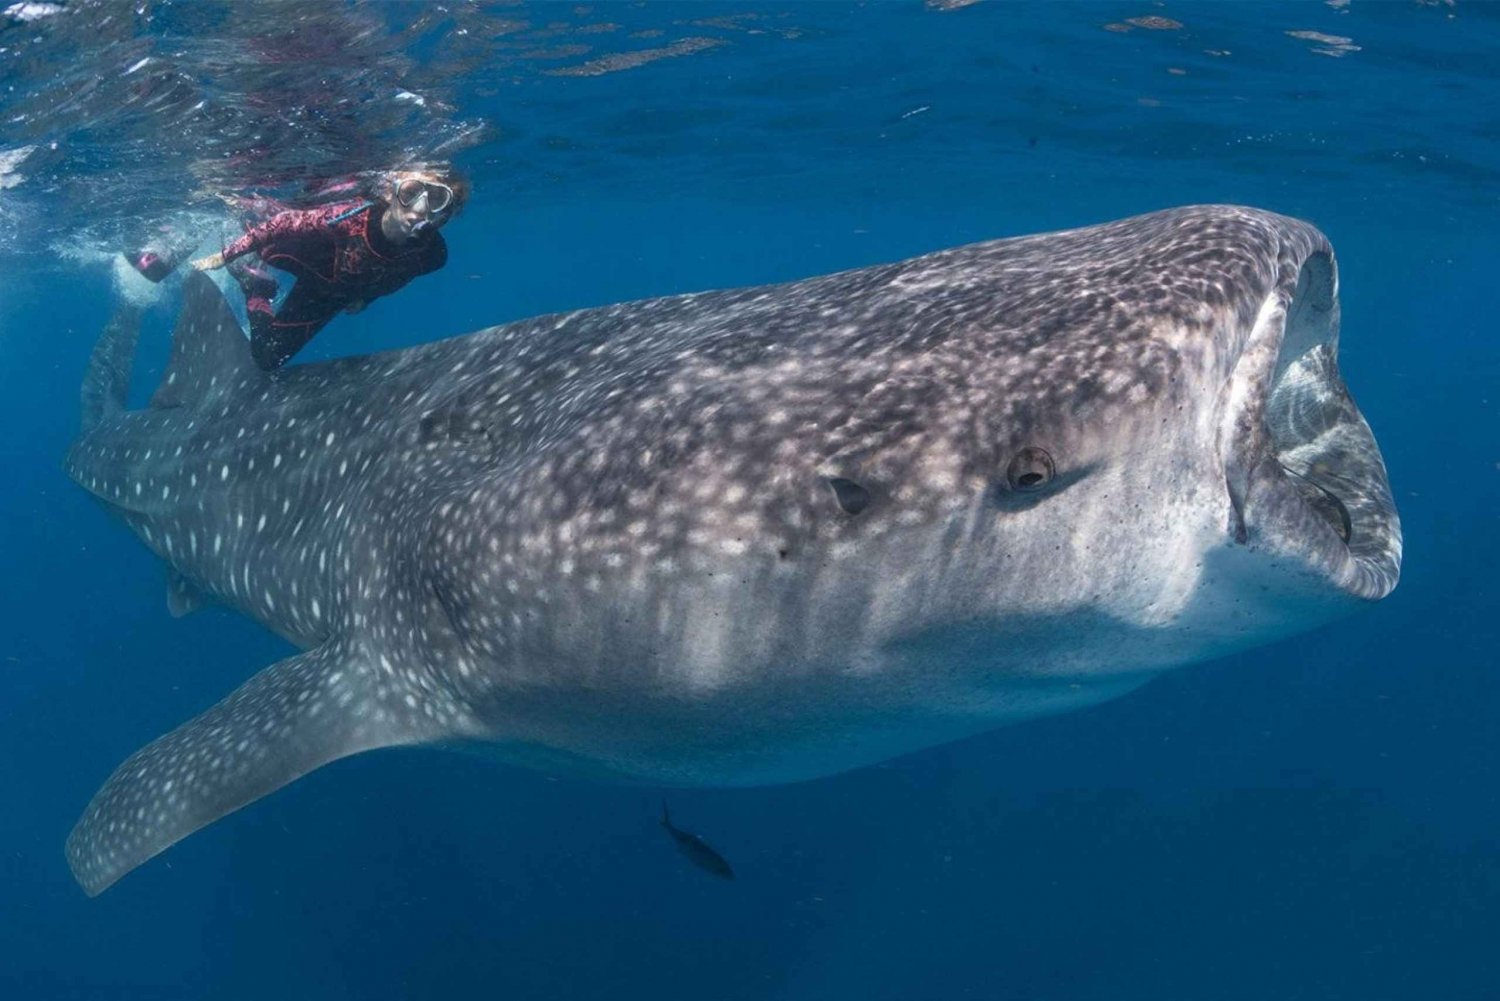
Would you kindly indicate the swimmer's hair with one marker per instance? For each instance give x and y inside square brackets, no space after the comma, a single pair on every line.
[440,171]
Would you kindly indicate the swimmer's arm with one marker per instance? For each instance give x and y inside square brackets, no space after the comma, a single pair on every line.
[292,222]
[254,239]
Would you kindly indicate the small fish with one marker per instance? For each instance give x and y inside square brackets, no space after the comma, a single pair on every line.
[695,848]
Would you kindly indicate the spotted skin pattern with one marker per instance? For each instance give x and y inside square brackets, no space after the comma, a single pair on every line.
[621,541]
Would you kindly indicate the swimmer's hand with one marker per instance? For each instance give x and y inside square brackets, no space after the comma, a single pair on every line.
[210,263]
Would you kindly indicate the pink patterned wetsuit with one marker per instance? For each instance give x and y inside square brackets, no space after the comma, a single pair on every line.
[339,257]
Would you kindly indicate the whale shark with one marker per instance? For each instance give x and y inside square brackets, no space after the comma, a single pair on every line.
[748,536]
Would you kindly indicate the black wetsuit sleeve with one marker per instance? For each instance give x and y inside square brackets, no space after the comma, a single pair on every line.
[282,225]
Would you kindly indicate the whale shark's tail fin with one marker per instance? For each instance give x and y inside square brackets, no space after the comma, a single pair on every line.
[210,354]
[108,377]
[289,719]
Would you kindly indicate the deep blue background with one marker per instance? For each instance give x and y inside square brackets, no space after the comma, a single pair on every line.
[1316,819]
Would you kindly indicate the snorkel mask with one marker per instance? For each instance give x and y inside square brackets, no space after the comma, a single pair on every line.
[431,197]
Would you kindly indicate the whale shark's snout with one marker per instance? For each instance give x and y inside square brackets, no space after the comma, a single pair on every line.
[1305,476]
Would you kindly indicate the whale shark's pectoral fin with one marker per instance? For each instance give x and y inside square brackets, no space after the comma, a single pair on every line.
[292,717]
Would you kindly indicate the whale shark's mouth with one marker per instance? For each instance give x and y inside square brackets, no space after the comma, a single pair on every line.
[1305,475]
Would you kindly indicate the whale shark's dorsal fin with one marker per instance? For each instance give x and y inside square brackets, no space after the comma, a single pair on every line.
[291,718]
[209,351]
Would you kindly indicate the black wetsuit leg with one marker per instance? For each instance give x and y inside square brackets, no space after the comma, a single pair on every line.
[253,280]
[274,339]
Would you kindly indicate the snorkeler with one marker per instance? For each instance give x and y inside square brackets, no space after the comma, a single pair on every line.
[342,255]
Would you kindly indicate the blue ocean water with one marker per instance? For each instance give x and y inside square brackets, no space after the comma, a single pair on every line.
[1312,819]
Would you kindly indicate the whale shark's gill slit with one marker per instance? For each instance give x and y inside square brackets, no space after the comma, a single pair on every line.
[851,497]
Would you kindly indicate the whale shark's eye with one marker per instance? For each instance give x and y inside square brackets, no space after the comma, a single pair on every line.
[1031,469]
[852,497]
